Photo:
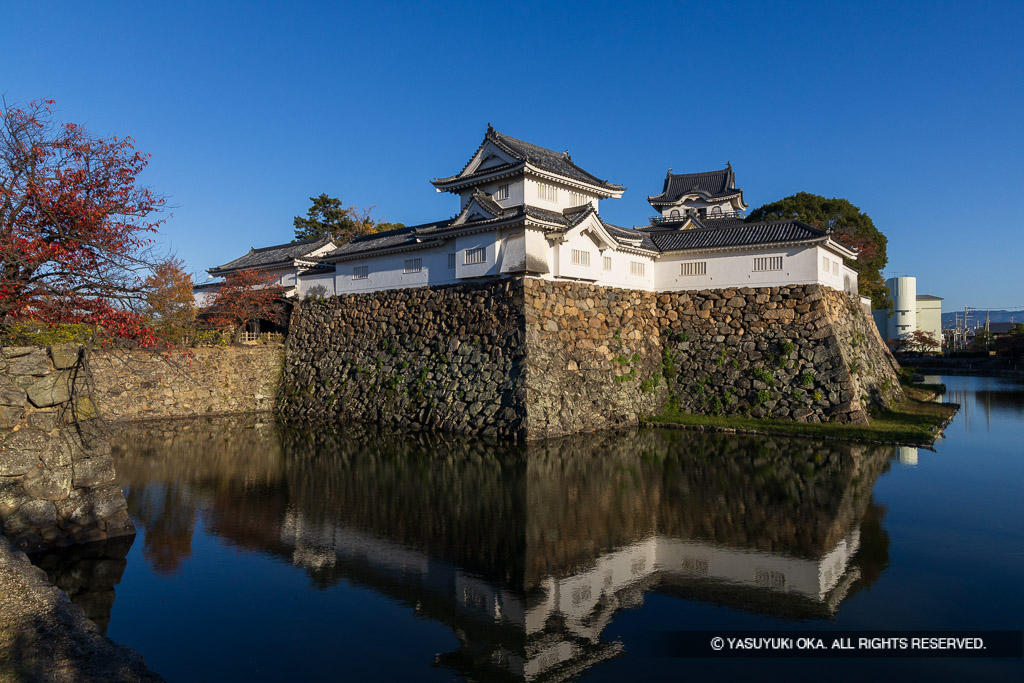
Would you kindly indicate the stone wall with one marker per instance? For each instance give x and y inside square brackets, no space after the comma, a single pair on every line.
[593,357]
[448,358]
[806,353]
[56,475]
[534,359]
[133,385]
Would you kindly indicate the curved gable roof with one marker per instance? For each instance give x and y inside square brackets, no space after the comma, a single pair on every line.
[557,163]
[710,184]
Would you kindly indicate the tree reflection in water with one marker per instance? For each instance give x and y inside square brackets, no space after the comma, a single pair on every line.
[526,552]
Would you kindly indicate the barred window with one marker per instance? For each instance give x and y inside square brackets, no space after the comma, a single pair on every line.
[476,255]
[451,260]
[607,263]
[580,257]
[360,272]
[502,192]
[414,265]
[548,192]
[835,267]
[825,263]
[693,268]
[766,263]
[636,268]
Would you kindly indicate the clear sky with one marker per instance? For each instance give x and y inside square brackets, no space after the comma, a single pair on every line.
[911,110]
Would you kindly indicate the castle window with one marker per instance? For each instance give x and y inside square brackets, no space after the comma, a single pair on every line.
[414,265]
[451,260]
[674,213]
[580,258]
[360,272]
[636,268]
[578,199]
[835,267]
[502,192]
[716,212]
[688,268]
[607,263]
[825,263]
[547,192]
[476,255]
[765,263]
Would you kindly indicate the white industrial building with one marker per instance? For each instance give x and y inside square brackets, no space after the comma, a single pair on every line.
[911,312]
[528,210]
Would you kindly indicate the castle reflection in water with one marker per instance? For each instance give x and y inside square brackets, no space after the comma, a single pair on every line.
[525,552]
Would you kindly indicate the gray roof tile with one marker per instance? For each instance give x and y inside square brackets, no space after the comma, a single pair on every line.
[742,235]
[559,163]
[711,184]
[279,254]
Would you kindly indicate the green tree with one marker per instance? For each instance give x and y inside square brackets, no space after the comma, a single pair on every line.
[850,226]
[328,216]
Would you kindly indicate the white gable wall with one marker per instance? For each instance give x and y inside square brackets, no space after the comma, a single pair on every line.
[565,198]
[515,193]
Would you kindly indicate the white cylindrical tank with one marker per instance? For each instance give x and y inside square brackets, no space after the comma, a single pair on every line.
[903,292]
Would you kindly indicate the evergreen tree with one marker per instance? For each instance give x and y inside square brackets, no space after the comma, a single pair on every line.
[327,216]
[849,225]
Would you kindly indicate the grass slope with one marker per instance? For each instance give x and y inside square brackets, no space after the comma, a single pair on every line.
[915,420]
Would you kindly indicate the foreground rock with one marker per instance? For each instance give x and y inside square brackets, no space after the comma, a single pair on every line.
[44,637]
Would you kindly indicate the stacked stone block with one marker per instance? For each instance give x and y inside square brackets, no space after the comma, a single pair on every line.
[56,475]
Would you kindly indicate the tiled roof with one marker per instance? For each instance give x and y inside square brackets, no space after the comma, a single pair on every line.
[546,216]
[548,160]
[275,255]
[559,163]
[645,240]
[742,235]
[390,239]
[711,184]
[486,203]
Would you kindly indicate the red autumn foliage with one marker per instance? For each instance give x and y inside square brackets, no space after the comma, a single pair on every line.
[74,224]
[246,295]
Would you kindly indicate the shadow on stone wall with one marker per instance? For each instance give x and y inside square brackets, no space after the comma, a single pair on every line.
[56,474]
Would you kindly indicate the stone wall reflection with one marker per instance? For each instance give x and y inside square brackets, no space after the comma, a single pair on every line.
[525,551]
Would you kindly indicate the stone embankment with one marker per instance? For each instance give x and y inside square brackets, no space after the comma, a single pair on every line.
[533,359]
[57,482]
[448,358]
[805,353]
[138,385]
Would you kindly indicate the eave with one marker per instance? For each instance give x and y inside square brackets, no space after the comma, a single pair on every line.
[600,190]
[459,182]
[747,247]
[656,200]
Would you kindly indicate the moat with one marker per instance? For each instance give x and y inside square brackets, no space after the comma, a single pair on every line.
[269,553]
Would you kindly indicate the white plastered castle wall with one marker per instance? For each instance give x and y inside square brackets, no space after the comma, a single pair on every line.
[736,269]
[566,197]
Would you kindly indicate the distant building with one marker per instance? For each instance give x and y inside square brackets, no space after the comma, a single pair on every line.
[911,312]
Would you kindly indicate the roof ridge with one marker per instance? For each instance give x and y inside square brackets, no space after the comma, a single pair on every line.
[293,243]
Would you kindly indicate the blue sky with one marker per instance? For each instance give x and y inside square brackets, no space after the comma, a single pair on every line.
[912,111]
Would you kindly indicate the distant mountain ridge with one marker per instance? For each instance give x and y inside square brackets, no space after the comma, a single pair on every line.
[978,317]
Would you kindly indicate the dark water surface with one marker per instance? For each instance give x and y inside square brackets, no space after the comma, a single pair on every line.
[272,554]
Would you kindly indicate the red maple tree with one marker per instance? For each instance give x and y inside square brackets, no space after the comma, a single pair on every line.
[245,296]
[74,224]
